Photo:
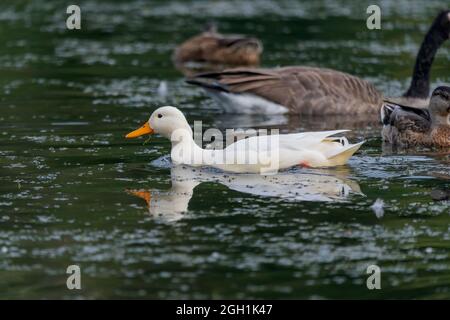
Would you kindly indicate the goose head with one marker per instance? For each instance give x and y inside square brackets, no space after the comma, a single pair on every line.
[167,121]
[440,105]
[443,23]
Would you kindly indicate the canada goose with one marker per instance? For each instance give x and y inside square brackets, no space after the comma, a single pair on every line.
[316,91]
[211,46]
[408,127]
[256,154]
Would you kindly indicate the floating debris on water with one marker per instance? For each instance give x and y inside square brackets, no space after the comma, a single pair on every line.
[440,195]
[378,208]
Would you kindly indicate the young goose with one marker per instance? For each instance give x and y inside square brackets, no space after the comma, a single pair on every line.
[407,126]
[257,154]
[316,91]
[211,46]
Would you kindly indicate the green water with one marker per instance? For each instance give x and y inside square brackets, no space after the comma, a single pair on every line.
[68,97]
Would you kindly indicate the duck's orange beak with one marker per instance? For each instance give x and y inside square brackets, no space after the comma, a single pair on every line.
[145,129]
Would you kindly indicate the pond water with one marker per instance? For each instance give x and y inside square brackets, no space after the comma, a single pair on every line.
[74,191]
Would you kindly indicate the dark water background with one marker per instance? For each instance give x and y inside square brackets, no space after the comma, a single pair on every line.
[68,97]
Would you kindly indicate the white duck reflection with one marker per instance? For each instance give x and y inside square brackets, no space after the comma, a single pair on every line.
[305,185]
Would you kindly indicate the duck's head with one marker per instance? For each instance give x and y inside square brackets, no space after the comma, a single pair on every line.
[440,104]
[164,121]
[241,51]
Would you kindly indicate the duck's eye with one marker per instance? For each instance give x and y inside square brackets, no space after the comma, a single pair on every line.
[159,115]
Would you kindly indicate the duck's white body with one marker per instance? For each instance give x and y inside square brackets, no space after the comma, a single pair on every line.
[257,154]
[265,154]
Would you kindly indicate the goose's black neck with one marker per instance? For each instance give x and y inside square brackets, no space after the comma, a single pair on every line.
[420,83]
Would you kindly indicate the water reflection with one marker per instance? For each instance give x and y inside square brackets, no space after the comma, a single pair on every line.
[171,205]
[327,185]
[440,154]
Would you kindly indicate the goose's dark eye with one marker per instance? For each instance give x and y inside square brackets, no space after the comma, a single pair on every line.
[159,115]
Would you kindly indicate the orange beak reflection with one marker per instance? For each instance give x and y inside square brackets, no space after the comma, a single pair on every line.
[143,194]
[145,129]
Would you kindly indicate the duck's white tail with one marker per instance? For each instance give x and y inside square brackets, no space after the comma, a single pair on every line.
[342,156]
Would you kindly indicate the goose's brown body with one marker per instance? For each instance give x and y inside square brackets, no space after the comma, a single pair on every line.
[303,90]
[308,90]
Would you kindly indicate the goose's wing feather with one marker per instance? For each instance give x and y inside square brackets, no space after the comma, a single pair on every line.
[237,80]
[305,90]
[405,118]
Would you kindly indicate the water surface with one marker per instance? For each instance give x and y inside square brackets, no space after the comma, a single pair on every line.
[73,190]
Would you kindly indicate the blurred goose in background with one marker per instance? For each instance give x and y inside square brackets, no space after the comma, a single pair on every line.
[408,126]
[257,154]
[320,185]
[213,47]
[317,91]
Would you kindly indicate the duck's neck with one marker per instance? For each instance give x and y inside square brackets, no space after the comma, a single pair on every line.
[440,121]
[184,148]
[420,83]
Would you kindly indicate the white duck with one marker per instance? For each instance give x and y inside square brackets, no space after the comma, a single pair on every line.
[257,154]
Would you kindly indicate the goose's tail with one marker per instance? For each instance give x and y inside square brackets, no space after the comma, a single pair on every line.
[342,156]
[207,84]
